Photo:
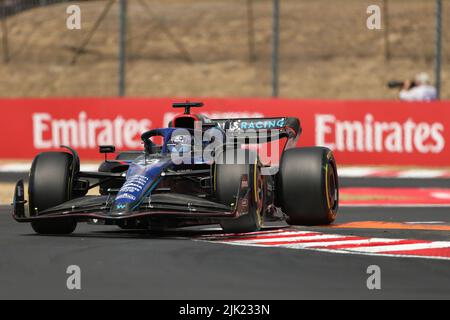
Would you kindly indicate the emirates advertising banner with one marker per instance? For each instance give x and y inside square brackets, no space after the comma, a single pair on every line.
[360,132]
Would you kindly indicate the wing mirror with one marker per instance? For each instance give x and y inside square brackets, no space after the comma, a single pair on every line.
[107,149]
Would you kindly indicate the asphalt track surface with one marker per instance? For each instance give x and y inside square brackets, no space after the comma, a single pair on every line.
[141,265]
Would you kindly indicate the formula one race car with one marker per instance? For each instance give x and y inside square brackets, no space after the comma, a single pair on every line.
[198,171]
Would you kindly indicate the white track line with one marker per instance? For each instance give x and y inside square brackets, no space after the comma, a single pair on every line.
[348,244]
[421,174]
[293,239]
[384,255]
[373,172]
[15,168]
[402,247]
[356,172]
[317,245]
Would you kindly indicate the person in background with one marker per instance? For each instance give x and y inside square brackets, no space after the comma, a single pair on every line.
[418,90]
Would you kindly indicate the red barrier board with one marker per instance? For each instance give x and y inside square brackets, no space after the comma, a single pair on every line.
[360,132]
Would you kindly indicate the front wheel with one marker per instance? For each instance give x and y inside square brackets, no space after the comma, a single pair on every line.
[308,186]
[51,179]
[227,179]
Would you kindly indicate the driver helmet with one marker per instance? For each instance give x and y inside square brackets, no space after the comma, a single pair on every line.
[180,144]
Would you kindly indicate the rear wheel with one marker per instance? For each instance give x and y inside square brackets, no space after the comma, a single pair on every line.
[308,187]
[50,185]
[227,179]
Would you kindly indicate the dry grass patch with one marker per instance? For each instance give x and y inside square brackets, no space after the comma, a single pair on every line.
[326,50]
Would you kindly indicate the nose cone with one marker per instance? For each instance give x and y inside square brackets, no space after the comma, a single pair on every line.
[121,210]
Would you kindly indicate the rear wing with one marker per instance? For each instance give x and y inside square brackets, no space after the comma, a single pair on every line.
[281,127]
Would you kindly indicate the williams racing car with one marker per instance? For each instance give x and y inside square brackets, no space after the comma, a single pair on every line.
[197,171]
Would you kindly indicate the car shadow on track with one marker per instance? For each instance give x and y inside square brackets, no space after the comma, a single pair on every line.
[172,234]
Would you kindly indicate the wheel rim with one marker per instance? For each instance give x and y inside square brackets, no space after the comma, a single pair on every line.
[259,193]
[332,187]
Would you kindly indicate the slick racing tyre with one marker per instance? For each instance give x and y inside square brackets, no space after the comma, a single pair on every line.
[227,180]
[308,188]
[51,179]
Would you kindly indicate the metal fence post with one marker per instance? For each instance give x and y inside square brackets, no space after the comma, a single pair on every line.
[251,32]
[438,59]
[276,48]
[387,49]
[122,48]
[4,32]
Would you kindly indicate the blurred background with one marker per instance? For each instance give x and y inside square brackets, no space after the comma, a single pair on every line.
[219,48]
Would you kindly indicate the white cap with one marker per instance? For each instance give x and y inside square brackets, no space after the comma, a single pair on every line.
[423,78]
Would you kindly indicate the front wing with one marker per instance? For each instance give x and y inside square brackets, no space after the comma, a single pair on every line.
[165,205]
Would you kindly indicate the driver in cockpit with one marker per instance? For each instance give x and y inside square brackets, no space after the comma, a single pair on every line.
[180,144]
